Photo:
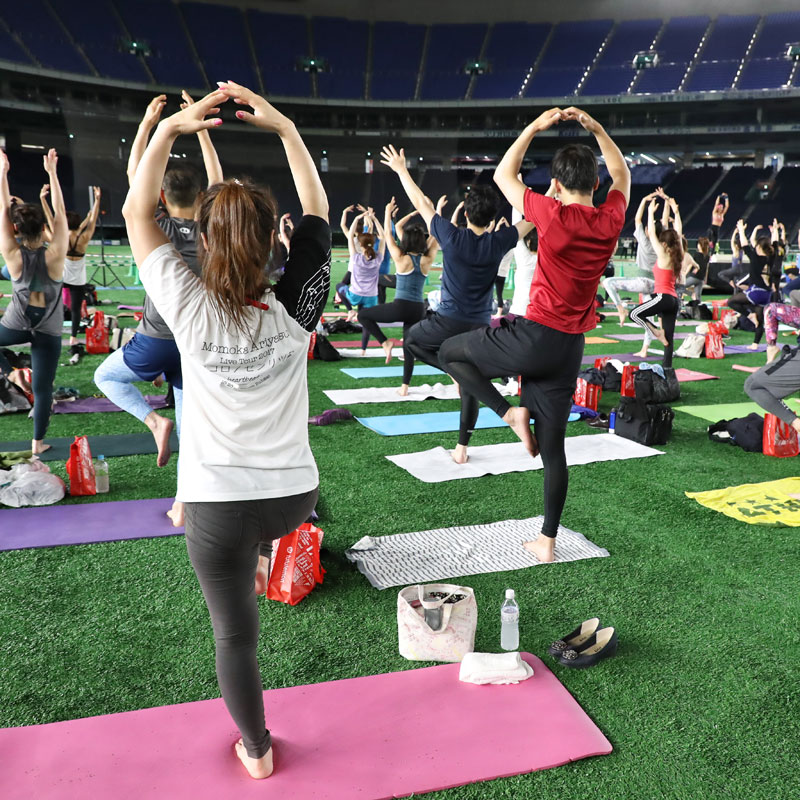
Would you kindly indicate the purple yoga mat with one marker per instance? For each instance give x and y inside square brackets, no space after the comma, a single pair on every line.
[635,337]
[90,405]
[131,308]
[87,523]
[743,348]
[590,357]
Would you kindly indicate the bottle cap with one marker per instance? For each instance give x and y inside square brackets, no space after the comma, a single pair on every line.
[510,594]
[101,458]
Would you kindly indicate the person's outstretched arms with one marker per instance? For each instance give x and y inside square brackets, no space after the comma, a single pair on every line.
[396,161]
[210,158]
[343,226]
[456,212]
[637,220]
[140,205]
[283,234]
[615,162]
[677,215]
[381,235]
[90,222]
[150,119]
[754,235]
[507,174]
[741,233]
[395,252]
[400,225]
[48,213]
[313,199]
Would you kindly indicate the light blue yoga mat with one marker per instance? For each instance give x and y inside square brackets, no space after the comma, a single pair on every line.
[389,372]
[439,422]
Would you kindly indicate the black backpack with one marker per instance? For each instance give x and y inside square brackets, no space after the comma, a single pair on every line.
[612,378]
[325,351]
[646,423]
[650,387]
[745,432]
[593,375]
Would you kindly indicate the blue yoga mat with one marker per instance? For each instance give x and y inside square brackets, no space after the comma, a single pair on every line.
[389,372]
[439,422]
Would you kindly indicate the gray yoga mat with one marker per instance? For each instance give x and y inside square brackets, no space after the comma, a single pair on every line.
[126,444]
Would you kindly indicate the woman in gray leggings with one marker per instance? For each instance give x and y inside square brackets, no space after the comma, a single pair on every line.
[246,474]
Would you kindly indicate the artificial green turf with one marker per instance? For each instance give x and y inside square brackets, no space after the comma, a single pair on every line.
[700,702]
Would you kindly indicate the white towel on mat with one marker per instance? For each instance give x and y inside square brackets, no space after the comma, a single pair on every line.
[496,668]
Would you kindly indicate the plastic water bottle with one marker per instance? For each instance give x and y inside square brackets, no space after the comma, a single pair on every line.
[612,421]
[101,475]
[509,622]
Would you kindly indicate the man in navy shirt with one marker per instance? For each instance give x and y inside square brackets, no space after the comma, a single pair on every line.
[471,257]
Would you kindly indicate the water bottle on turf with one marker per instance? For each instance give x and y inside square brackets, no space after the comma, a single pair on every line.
[101,475]
[509,622]
[612,421]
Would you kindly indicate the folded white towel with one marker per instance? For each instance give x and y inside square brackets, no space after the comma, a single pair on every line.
[496,668]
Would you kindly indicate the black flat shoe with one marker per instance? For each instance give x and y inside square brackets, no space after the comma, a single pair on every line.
[600,421]
[575,640]
[605,645]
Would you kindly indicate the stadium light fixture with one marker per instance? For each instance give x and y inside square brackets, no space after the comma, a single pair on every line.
[645,59]
[793,52]
[312,65]
[476,67]
[649,158]
[135,47]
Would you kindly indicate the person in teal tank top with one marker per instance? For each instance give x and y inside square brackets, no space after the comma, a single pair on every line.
[413,258]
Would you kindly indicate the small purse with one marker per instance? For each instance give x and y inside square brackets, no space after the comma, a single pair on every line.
[436,622]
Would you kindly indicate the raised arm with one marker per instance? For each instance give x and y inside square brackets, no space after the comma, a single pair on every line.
[381,235]
[637,220]
[395,252]
[753,235]
[152,115]
[726,206]
[313,199]
[397,163]
[456,212]
[282,233]
[8,239]
[741,232]
[90,223]
[400,225]
[59,242]
[345,228]
[615,162]
[507,175]
[210,157]
[140,205]
[673,204]
[351,234]
[651,230]
[48,213]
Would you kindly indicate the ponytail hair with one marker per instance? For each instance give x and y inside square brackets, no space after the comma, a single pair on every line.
[704,245]
[672,243]
[766,245]
[28,219]
[367,242]
[239,220]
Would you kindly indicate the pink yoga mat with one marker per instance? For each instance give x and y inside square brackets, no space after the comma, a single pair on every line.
[743,368]
[383,736]
[686,375]
[91,405]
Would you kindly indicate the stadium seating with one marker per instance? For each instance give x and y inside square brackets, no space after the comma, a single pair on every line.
[279,40]
[450,47]
[768,67]
[343,44]
[396,54]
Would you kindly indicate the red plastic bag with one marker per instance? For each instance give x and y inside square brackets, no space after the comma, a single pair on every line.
[718,327]
[727,317]
[587,394]
[311,344]
[80,468]
[627,389]
[717,307]
[714,347]
[780,439]
[97,335]
[600,363]
[296,568]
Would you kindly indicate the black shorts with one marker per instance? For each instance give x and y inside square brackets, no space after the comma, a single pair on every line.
[548,361]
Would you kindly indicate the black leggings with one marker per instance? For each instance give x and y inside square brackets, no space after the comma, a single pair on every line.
[77,294]
[423,342]
[667,307]
[45,352]
[548,361]
[224,541]
[740,303]
[406,311]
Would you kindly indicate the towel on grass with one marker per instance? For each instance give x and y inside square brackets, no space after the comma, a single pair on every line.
[495,668]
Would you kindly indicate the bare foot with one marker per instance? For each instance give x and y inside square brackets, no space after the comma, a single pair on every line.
[403,390]
[641,353]
[262,575]
[753,318]
[543,547]
[17,377]
[460,454]
[161,428]
[623,314]
[159,381]
[753,346]
[660,335]
[176,514]
[363,353]
[772,351]
[519,420]
[455,383]
[259,768]
[38,446]
[388,346]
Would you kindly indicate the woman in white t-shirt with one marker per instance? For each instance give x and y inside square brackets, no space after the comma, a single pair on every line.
[246,473]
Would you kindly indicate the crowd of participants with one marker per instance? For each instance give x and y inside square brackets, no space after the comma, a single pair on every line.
[233,291]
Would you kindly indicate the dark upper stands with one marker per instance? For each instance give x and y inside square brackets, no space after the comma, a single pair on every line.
[193,44]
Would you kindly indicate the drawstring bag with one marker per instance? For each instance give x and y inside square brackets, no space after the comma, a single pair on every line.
[296,568]
[692,347]
[780,439]
[80,468]
[436,622]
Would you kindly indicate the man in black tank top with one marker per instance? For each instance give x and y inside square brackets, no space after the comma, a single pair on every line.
[152,351]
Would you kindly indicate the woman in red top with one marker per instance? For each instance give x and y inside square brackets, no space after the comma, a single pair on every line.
[669,251]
